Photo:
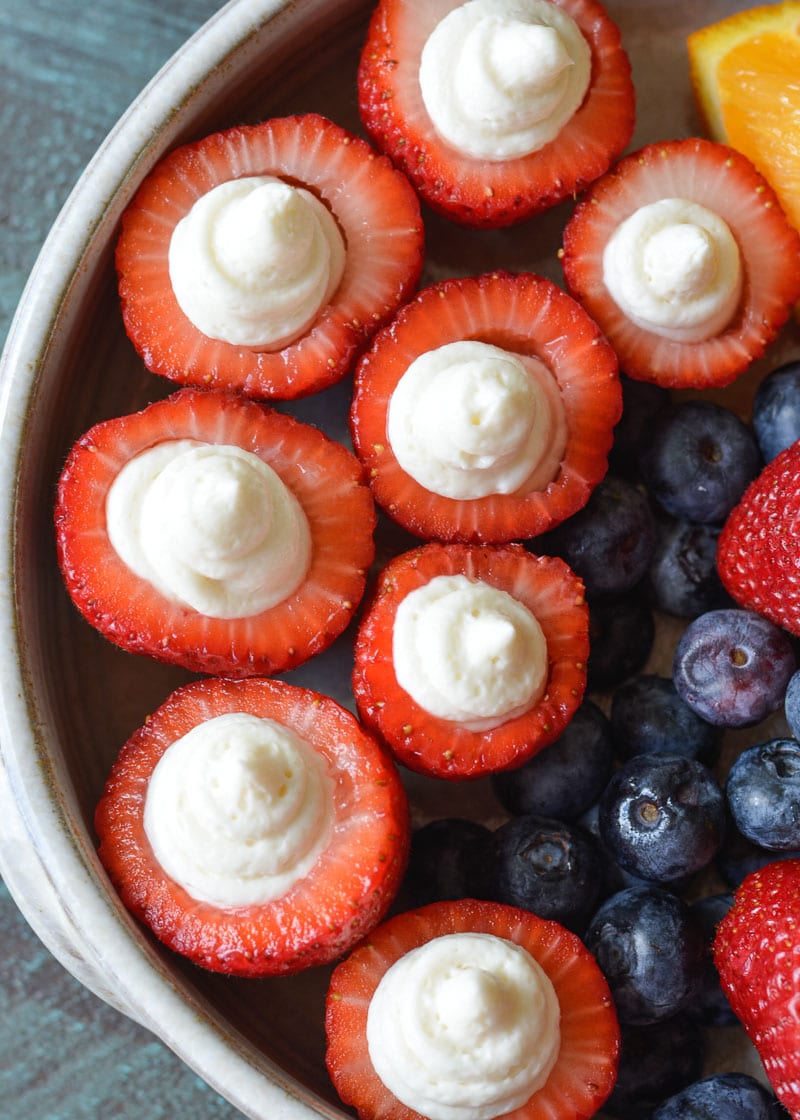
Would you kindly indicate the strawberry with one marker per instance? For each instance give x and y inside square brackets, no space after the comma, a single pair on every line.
[726,183]
[758,557]
[323,476]
[586,1066]
[317,918]
[482,192]
[756,954]
[527,315]
[442,747]
[374,206]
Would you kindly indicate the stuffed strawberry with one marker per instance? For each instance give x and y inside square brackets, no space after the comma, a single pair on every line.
[758,554]
[254,826]
[495,111]
[212,532]
[756,954]
[485,410]
[471,1009]
[263,258]
[684,257]
[469,659]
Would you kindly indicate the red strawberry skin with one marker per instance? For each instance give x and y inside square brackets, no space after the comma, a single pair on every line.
[522,313]
[725,182]
[758,554]
[319,918]
[324,476]
[374,205]
[441,748]
[757,954]
[484,193]
[586,1069]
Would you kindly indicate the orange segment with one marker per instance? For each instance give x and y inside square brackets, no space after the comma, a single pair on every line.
[760,94]
[745,74]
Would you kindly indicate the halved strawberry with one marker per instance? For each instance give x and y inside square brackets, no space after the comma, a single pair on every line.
[726,183]
[756,954]
[586,1067]
[442,747]
[376,210]
[481,192]
[322,475]
[758,556]
[526,315]
[317,918]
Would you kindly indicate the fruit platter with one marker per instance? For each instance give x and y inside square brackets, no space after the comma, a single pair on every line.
[405,606]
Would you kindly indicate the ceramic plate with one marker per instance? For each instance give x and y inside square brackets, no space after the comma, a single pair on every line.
[69,699]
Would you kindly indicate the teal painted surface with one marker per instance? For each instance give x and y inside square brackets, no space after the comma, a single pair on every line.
[64,1055]
[67,72]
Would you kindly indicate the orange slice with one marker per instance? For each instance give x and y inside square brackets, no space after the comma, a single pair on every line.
[745,73]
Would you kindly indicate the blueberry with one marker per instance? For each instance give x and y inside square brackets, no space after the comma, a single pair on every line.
[699,459]
[655,1061]
[642,401]
[732,667]
[738,857]
[621,633]
[662,817]
[734,1096]
[710,1006]
[763,791]
[791,704]
[649,717]
[650,949]
[546,866]
[610,541]
[683,572]
[447,861]
[566,777]
[615,878]
[776,410]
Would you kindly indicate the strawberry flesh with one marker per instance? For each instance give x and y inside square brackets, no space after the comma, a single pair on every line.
[318,918]
[479,192]
[443,748]
[726,183]
[379,217]
[324,476]
[586,1067]
[524,314]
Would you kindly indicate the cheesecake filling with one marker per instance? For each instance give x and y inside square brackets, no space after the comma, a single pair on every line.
[239,809]
[210,526]
[501,78]
[255,261]
[673,267]
[469,419]
[464,1027]
[469,652]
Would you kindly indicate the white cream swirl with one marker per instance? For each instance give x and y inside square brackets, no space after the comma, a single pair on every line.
[210,526]
[469,419]
[254,262]
[673,268]
[469,652]
[501,78]
[464,1027]
[239,809]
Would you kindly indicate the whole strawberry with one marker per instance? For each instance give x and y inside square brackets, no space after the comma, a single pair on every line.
[758,554]
[757,954]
